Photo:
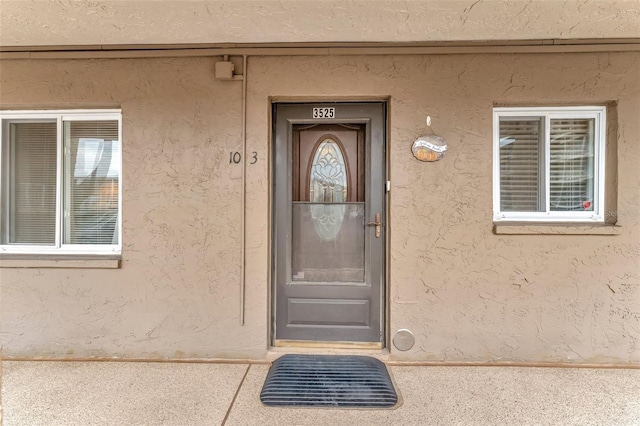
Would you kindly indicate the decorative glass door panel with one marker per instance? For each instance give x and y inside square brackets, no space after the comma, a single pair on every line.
[328,174]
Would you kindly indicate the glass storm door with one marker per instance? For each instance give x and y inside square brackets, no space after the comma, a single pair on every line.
[329,239]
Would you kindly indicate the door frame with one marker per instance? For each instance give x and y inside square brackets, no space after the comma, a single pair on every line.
[272,290]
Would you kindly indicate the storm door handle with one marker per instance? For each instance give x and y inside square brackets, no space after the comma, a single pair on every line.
[377,224]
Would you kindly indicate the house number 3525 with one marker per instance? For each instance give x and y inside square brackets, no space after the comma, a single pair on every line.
[324,113]
[235,157]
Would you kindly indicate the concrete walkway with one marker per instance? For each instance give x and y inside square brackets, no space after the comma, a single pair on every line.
[122,393]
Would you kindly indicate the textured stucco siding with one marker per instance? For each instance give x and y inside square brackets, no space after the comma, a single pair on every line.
[466,293]
[108,22]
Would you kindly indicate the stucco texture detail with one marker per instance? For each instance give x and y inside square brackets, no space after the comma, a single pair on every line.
[466,293]
[66,22]
[179,282]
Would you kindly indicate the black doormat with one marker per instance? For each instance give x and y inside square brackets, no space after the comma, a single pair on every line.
[328,381]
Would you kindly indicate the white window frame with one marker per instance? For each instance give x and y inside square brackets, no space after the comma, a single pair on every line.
[598,113]
[61,116]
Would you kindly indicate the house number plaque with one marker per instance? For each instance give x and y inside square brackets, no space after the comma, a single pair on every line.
[324,113]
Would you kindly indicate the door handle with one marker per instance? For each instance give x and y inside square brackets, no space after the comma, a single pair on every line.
[377,224]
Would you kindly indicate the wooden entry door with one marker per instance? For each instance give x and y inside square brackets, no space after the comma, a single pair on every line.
[329,214]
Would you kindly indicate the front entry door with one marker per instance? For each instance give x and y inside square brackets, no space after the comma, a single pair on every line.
[329,215]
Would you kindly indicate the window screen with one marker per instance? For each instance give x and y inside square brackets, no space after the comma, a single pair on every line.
[29,183]
[520,165]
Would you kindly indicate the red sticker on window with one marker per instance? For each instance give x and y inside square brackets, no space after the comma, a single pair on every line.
[586,204]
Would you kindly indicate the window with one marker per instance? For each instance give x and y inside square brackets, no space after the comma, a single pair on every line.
[549,164]
[60,181]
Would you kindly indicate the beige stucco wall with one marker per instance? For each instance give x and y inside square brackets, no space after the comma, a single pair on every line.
[466,293]
[107,22]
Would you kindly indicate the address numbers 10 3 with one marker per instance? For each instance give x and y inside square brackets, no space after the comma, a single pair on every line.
[324,113]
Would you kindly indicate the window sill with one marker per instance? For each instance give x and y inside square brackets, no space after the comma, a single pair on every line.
[60,261]
[513,228]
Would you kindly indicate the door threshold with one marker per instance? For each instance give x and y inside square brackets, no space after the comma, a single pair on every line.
[283,347]
[331,345]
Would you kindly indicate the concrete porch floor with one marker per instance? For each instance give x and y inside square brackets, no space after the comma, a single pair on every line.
[139,393]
